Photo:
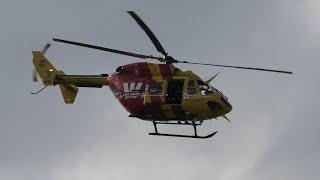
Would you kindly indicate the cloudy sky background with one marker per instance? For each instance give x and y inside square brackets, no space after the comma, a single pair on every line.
[275,121]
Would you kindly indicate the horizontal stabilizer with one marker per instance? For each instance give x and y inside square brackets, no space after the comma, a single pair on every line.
[69,93]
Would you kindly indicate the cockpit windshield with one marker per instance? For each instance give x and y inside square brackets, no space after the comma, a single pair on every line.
[206,88]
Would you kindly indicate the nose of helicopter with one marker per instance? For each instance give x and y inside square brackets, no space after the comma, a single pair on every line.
[226,105]
[219,104]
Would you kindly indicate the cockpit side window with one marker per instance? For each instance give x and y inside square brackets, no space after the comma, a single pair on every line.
[206,88]
[191,87]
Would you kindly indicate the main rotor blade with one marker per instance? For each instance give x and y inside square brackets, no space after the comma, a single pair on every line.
[238,67]
[146,29]
[106,49]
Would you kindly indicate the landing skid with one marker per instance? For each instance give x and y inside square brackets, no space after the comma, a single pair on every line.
[184,136]
[181,135]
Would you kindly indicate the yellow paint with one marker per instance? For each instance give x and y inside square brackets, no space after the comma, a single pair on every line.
[44,68]
[155,71]
[51,76]
[167,110]
[69,93]
[147,98]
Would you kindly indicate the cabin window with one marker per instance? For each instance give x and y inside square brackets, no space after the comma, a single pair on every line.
[191,88]
[155,88]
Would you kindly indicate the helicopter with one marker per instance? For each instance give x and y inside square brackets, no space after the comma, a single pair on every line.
[159,93]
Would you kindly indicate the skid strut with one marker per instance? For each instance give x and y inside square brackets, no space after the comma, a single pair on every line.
[156,133]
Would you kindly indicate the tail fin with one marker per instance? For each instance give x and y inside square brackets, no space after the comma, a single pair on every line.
[48,73]
[45,69]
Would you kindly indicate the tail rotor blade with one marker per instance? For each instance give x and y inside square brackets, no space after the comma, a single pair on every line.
[45,48]
[34,75]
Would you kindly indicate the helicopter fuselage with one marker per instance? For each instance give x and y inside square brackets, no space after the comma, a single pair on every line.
[163,92]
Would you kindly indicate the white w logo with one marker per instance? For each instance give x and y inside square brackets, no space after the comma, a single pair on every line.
[133,87]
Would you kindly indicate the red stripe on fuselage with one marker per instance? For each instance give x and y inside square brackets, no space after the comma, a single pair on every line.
[165,71]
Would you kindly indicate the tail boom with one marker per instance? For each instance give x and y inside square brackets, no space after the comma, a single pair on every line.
[68,83]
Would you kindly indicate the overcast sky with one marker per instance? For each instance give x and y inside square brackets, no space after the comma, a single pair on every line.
[275,120]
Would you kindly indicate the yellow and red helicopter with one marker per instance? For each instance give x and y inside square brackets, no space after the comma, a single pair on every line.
[160,93]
